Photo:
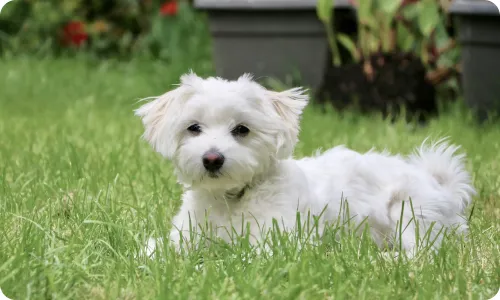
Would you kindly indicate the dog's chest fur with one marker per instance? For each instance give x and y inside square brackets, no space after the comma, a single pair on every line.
[278,197]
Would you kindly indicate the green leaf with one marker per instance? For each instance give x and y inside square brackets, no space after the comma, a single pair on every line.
[371,24]
[389,7]
[349,44]
[412,11]
[405,40]
[424,55]
[441,35]
[365,11]
[429,17]
[324,10]
[449,59]
[373,43]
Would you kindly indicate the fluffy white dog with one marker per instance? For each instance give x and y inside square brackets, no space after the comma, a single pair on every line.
[231,145]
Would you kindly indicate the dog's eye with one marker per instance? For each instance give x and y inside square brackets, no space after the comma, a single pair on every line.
[240,130]
[195,128]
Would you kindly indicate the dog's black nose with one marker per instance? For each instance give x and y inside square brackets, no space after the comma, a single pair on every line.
[213,161]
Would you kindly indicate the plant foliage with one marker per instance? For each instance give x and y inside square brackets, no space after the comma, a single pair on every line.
[162,29]
[420,27]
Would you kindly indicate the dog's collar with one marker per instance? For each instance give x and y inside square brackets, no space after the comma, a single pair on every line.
[236,195]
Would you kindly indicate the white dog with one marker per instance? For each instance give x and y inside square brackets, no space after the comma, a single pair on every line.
[231,144]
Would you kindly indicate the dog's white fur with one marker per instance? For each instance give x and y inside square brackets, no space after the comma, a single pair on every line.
[275,186]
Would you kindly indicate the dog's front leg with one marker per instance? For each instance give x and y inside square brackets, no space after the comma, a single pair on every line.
[258,237]
[185,233]
[182,234]
[178,238]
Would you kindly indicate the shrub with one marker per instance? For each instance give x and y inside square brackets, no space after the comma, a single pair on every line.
[410,26]
[104,28]
[403,54]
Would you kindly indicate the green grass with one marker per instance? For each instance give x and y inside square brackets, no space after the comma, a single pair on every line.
[80,191]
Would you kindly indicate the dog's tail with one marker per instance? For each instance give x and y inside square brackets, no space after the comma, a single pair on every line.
[448,168]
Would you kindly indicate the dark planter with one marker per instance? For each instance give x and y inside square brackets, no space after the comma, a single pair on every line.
[269,38]
[478,31]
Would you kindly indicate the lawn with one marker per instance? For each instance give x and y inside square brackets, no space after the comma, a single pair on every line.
[80,192]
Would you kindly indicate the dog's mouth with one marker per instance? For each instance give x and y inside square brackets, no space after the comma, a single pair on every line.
[214,175]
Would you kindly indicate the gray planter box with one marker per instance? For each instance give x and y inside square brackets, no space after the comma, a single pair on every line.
[268,38]
[478,25]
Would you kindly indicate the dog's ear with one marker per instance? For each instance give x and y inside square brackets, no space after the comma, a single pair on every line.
[289,105]
[158,114]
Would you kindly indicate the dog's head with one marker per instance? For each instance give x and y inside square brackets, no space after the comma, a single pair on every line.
[221,133]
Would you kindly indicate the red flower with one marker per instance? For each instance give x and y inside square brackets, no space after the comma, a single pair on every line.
[74,33]
[168,8]
[408,2]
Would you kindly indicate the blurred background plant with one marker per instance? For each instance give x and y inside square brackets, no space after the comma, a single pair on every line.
[420,27]
[113,28]
[403,54]
[171,29]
